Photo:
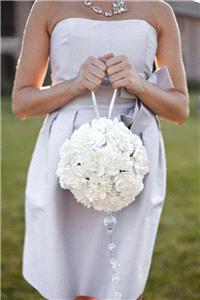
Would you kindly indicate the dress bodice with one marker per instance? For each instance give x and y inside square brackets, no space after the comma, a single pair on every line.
[74,39]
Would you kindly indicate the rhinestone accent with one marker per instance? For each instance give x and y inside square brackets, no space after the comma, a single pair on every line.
[87,2]
[123,9]
[97,9]
[108,13]
[118,7]
[115,4]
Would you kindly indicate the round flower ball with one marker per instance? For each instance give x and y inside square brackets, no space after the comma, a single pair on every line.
[103,164]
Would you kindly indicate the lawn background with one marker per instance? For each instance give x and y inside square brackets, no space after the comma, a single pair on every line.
[175,268]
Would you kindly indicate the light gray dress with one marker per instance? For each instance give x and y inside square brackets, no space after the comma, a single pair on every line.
[65,244]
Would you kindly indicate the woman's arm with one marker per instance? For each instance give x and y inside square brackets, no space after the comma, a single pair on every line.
[29,97]
[170,104]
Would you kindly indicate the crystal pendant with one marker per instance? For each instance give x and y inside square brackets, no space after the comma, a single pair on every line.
[115,264]
[109,221]
[97,9]
[118,295]
[115,278]
[111,246]
[112,261]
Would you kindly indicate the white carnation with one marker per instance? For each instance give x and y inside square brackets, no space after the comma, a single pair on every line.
[103,164]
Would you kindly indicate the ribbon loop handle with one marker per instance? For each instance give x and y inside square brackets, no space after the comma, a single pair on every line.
[112,103]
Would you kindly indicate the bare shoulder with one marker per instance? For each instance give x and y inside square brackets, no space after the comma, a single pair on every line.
[164,16]
[163,7]
[42,8]
[157,12]
[57,11]
[40,15]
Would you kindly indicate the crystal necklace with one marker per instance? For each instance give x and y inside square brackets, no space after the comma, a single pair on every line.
[118,7]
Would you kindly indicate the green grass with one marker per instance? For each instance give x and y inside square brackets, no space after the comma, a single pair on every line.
[175,267]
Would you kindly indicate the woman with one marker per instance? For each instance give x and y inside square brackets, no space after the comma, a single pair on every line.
[65,243]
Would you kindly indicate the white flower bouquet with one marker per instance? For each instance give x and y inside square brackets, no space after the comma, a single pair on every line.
[103,164]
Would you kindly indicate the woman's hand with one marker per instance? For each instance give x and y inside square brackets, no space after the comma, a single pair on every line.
[90,75]
[122,74]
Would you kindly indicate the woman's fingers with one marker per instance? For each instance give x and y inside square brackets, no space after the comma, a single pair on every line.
[105,57]
[119,83]
[96,71]
[98,63]
[87,84]
[93,79]
[120,71]
[90,75]
[116,68]
[118,76]
[116,59]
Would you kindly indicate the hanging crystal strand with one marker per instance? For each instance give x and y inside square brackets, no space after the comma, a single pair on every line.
[110,222]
